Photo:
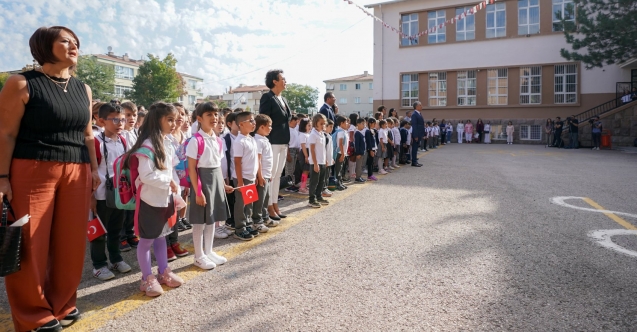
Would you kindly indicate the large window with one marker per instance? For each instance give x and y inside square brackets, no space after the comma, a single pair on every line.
[498,132]
[357,100]
[565,84]
[467,88]
[124,73]
[371,86]
[343,87]
[531,132]
[371,100]
[120,91]
[498,86]
[410,28]
[192,84]
[434,19]
[530,85]
[528,17]
[357,86]
[409,89]
[192,99]
[496,20]
[563,9]
[438,89]
[465,28]
[342,101]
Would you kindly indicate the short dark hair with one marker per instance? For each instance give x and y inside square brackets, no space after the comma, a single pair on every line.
[353,118]
[129,106]
[239,110]
[329,122]
[382,123]
[243,116]
[377,115]
[226,111]
[262,120]
[403,123]
[328,95]
[303,125]
[230,118]
[177,104]
[41,43]
[340,119]
[107,109]
[141,114]
[206,107]
[271,76]
[381,108]
[360,120]
[294,117]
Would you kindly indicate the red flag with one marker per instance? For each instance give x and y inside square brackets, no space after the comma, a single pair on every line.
[249,193]
[95,229]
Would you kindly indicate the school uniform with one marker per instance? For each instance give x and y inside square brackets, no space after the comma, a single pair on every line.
[435,132]
[319,157]
[226,169]
[382,139]
[264,149]
[449,130]
[293,151]
[360,149]
[329,155]
[246,148]
[370,144]
[341,136]
[303,138]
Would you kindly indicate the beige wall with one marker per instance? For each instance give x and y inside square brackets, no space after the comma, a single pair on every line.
[351,93]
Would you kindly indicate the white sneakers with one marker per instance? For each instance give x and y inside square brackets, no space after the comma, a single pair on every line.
[261,228]
[217,259]
[103,273]
[220,233]
[122,267]
[204,263]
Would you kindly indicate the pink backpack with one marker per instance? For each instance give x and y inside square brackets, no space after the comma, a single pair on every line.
[182,167]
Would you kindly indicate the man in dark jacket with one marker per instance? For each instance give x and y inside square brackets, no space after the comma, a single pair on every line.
[417,133]
[327,108]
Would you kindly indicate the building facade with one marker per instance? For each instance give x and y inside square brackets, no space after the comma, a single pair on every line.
[502,62]
[246,97]
[354,94]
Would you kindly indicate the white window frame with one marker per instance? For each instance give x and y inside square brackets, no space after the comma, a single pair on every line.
[357,100]
[342,101]
[438,89]
[498,132]
[192,99]
[530,132]
[409,89]
[342,87]
[561,6]
[467,88]
[124,73]
[462,31]
[357,86]
[371,100]
[496,30]
[120,90]
[565,87]
[527,86]
[371,86]
[434,19]
[498,79]
[524,14]
[409,26]
[192,84]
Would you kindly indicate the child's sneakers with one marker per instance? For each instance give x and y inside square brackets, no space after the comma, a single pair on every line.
[382,172]
[261,228]
[133,241]
[178,250]
[372,178]
[169,279]
[271,223]
[304,191]
[171,254]
[315,205]
[151,287]
[217,259]
[392,167]
[124,246]
[103,273]
[252,231]
[323,201]
[326,193]
[204,263]
[360,180]
[122,267]
[220,233]
[243,236]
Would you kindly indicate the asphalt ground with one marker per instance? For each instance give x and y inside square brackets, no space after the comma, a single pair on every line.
[479,239]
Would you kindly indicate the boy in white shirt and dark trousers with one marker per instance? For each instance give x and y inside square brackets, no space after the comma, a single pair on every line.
[246,166]
[260,216]
[317,159]
[293,151]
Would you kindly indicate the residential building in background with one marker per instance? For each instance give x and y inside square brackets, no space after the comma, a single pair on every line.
[246,97]
[354,94]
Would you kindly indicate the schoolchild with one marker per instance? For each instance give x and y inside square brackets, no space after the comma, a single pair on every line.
[293,151]
[360,150]
[127,238]
[329,156]
[390,143]
[353,128]
[228,168]
[429,136]
[397,144]
[382,150]
[435,131]
[260,217]
[317,160]
[342,144]
[371,147]
[460,131]
[246,166]
[404,139]
[305,128]
[221,231]
[449,131]
[141,115]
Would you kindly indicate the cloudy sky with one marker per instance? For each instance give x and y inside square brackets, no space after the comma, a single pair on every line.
[227,42]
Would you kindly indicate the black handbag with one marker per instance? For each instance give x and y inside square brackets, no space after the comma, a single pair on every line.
[10,241]
[108,183]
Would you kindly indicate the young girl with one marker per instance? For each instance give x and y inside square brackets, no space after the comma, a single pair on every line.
[305,127]
[157,212]
[353,118]
[207,204]
[383,142]
[468,131]
[510,130]
[449,130]
[370,145]
[487,132]
[175,250]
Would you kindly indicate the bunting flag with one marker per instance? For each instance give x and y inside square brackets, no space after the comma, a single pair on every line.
[483,4]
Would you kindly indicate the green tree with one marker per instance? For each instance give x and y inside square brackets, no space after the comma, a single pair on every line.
[3,79]
[100,77]
[606,32]
[157,80]
[301,98]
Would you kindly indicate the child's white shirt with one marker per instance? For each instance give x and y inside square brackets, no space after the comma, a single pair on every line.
[114,149]
[329,151]
[318,139]
[449,128]
[156,190]
[342,135]
[436,130]
[396,132]
[303,140]
[211,157]
[264,148]
[131,138]
[246,148]
[382,135]
[194,127]
[294,139]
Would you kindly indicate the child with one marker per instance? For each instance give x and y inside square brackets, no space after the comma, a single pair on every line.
[95,119]
[260,216]
[229,166]
[382,142]
[157,207]
[487,132]
[370,145]
[435,131]
[208,203]
[404,139]
[397,144]
[460,131]
[127,237]
[510,131]
[329,157]
[246,166]
[317,161]
[353,125]
[221,231]
[468,131]
[449,130]
[409,131]
[305,127]
[359,150]
[342,143]
[428,136]
[293,151]
[141,115]
[109,144]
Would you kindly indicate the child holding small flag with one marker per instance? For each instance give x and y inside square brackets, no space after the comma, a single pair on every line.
[244,174]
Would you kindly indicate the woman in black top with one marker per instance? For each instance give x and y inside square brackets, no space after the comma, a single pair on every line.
[48,169]
[276,107]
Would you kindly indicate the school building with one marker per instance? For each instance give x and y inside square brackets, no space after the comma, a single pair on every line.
[502,63]
[354,94]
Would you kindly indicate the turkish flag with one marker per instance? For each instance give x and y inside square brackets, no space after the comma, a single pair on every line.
[249,193]
[95,229]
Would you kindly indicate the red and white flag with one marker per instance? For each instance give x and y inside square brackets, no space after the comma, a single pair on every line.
[95,229]
[249,193]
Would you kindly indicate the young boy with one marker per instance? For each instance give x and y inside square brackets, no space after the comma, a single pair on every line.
[293,151]
[317,160]
[260,217]
[127,237]
[404,142]
[342,143]
[428,138]
[396,134]
[359,149]
[435,132]
[329,157]
[109,145]
[382,141]
[371,147]
[228,140]
[246,166]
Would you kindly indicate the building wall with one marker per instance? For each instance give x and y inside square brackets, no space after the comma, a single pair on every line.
[365,93]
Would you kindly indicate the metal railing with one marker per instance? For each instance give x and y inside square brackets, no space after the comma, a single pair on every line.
[598,110]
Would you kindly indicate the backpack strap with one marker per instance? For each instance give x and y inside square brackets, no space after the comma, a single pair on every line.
[98,151]
[123,142]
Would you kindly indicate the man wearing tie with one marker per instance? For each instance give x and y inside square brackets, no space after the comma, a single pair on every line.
[327,109]
[417,134]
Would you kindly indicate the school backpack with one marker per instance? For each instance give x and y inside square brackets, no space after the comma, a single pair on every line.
[335,143]
[182,167]
[126,195]
[98,149]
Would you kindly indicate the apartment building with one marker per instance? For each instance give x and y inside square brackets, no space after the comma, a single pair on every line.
[247,97]
[354,94]
[501,63]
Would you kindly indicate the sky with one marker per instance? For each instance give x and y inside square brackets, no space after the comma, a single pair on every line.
[226,42]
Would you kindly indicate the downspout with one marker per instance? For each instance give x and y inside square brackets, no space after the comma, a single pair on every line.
[382,57]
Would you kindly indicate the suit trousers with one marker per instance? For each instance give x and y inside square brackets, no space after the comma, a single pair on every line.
[414,151]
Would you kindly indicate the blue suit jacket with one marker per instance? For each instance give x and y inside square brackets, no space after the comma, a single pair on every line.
[329,114]
[417,126]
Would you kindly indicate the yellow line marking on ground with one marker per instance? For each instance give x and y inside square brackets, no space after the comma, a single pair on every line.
[612,216]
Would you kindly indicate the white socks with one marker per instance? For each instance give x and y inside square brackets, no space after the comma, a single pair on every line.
[208,237]
[380,164]
[197,239]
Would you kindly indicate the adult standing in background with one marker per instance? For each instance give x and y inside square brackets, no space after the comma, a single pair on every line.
[573,127]
[417,134]
[557,129]
[548,129]
[48,169]
[480,130]
[393,113]
[460,130]
[327,110]
[276,107]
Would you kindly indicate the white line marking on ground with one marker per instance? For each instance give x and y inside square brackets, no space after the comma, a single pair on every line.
[604,238]
[560,200]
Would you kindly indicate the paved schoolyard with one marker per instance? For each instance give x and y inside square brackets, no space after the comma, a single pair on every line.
[481,238]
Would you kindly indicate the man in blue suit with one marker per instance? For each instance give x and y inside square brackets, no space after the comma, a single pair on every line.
[417,133]
[327,109]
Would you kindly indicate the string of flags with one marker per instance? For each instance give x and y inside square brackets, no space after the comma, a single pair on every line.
[471,11]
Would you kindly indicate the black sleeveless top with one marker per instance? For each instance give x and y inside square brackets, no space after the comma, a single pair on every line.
[54,121]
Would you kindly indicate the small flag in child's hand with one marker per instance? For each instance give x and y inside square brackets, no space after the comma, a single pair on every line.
[95,229]
[249,194]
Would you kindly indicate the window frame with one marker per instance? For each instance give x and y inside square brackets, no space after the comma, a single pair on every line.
[530,85]
[342,87]
[564,84]
[464,98]
[371,86]
[122,90]
[528,25]
[497,80]
[498,132]
[557,24]
[463,23]
[121,72]
[357,86]
[440,34]
[493,10]
[371,100]
[530,130]
[440,88]
[412,28]
[412,90]
[357,100]
[342,101]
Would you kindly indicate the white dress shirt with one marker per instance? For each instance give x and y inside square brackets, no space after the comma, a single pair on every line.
[246,148]
[211,157]
[318,139]
[156,190]
[264,148]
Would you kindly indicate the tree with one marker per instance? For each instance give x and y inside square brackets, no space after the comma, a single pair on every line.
[301,98]
[606,32]
[100,77]
[3,79]
[157,80]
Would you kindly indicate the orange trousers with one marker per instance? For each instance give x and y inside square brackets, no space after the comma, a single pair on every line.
[57,196]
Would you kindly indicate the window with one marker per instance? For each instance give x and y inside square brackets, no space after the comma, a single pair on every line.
[342,101]
[192,99]
[438,89]
[121,91]
[530,85]
[498,86]
[434,19]
[410,28]
[357,100]
[467,88]
[465,28]
[496,20]
[357,86]
[124,73]
[409,89]
[371,86]
[565,84]
[498,132]
[531,132]
[563,9]
[528,17]
[371,100]
[192,84]
[343,87]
